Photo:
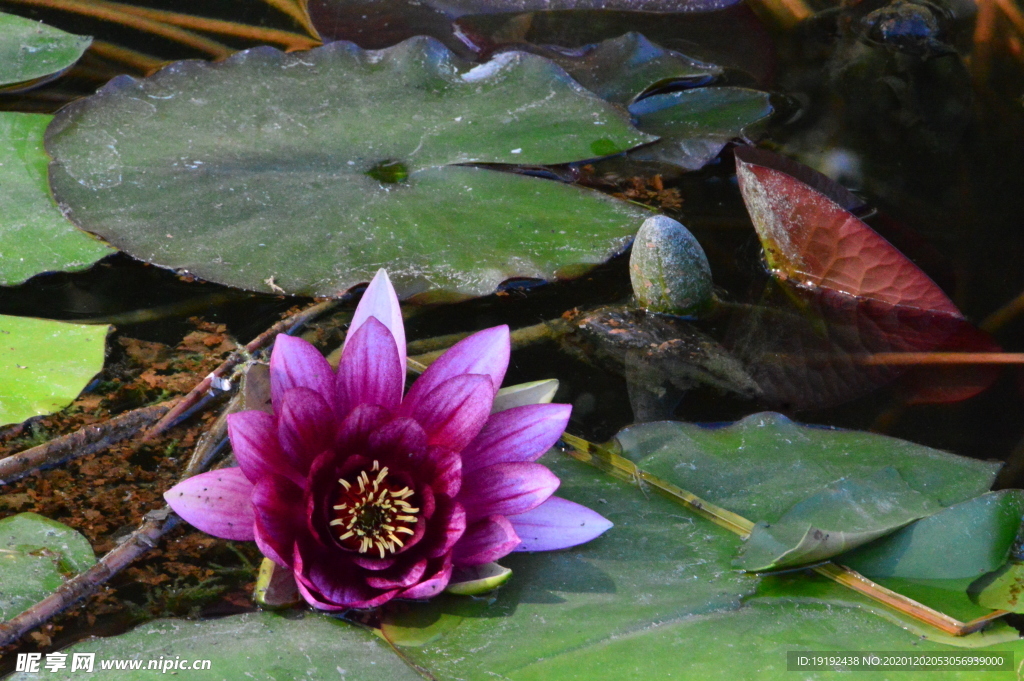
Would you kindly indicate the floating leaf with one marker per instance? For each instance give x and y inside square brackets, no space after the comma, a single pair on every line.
[813,240]
[635,603]
[261,646]
[310,170]
[848,513]
[982,529]
[44,364]
[764,464]
[30,49]
[623,68]
[803,589]
[34,236]
[1002,589]
[36,555]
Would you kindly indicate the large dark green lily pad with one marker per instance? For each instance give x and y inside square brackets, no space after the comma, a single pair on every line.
[982,529]
[31,49]
[764,464]
[44,364]
[308,171]
[34,236]
[36,554]
[261,646]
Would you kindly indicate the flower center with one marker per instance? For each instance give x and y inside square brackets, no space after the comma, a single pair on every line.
[371,512]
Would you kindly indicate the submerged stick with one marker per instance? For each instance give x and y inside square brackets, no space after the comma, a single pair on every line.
[157,524]
[236,358]
[154,526]
[954,358]
[84,441]
[620,467]
[429,349]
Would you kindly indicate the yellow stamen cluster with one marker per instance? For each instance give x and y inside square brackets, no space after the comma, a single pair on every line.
[372,513]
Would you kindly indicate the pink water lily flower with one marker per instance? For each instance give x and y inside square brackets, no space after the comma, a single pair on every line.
[367,496]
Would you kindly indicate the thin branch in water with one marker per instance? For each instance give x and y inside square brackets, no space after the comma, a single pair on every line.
[945,358]
[237,357]
[156,525]
[429,349]
[1003,315]
[88,440]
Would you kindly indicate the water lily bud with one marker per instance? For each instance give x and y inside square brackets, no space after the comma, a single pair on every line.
[668,268]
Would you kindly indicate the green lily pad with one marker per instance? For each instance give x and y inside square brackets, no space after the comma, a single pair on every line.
[764,464]
[44,364]
[848,513]
[261,646]
[947,596]
[308,171]
[31,49]
[1002,589]
[36,554]
[640,603]
[34,236]
[621,69]
[696,124]
[982,529]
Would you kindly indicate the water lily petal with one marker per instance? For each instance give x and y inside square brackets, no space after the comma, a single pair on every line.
[354,432]
[399,437]
[454,412]
[399,579]
[430,587]
[517,434]
[295,363]
[506,489]
[485,352]
[217,502]
[380,302]
[253,437]
[556,524]
[443,468]
[330,580]
[485,541]
[305,426]
[448,526]
[370,371]
[316,601]
[279,514]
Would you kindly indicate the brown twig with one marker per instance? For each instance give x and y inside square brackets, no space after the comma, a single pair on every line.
[236,358]
[429,349]
[84,441]
[156,525]
[954,358]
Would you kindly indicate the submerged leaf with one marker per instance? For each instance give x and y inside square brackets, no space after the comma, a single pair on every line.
[31,49]
[34,236]
[36,555]
[314,168]
[810,238]
[44,364]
